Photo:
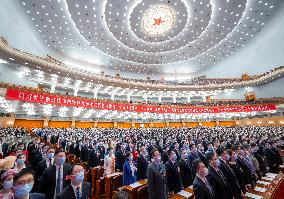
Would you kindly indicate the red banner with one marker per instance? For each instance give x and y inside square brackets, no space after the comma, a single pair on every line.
[33,97]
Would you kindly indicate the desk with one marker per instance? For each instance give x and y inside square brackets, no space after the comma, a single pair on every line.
[177,196]
[132,191]
[272,189]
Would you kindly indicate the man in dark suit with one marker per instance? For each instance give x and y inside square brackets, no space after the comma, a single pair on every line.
[42,165]
[200,153]
[185,170]
[120,157]
[193,154]
[176,150]
[94,157]
[230,176]
[246,171]
[36,153]
[4,149]
[78,148]
[142,164]
[263,165]
[172,172]
[52,180]
[25,178]
[156,175]
[84,153]
[41,156]
[201,187]
[77,188]
[216,178]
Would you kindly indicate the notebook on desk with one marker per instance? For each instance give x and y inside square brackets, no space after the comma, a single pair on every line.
[184,194]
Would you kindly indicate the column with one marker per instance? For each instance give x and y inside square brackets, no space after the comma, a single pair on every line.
[174,99]
[160,99]
[45,122]
[112,96]
[75,92]
[73,125]
[95,94]
[52,89]
[188,99]
[128,97]
[145,98]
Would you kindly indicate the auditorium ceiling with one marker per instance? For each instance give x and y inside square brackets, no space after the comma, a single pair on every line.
[149,37]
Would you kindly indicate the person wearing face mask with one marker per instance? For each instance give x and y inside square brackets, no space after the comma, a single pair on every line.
[22,185]
[210,148]
[40,156]
[232,181]
[176,150]
[20,162]
[84,151]
[77,188]
[237,170]
[263,166]
[185,169]
[216,178]
[109,162]
[272,157]
[142,164]
[37,155]
[156,177]
[201,187]
[7,183]
[42,165]
[120,157]
[94,156]
[173,173]
[193,154]
[245,169]
[129,170]
[52,180]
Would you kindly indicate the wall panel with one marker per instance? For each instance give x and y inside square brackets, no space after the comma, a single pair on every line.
[59,124]
[28,124]
[84,124]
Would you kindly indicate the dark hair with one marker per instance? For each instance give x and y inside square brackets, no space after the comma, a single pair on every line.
[209,156]
[21,173]
[58,151]
[121,195]
[72,167]
[190,146]
[19,155]
[128,153]
[195,164]
[253,144]
[170,152]
[220,151]
[153,151]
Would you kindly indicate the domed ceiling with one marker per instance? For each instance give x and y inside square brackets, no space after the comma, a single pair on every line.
[149,37]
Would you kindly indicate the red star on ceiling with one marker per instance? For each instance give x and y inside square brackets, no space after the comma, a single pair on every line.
[158,21]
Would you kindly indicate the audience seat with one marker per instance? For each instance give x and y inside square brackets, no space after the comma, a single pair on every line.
[142,192]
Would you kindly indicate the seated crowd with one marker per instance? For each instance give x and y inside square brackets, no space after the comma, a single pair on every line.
[220,162]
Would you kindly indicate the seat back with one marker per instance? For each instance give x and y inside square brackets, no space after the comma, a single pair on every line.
[142,192]
[100,188]
[117,182]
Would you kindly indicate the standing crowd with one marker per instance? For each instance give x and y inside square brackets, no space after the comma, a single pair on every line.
[219,162]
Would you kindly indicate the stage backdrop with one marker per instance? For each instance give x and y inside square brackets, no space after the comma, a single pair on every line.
[33,97]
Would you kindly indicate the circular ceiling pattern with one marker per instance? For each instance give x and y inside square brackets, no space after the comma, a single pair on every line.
[130,37]
[158,20]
